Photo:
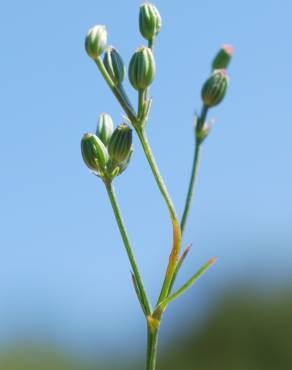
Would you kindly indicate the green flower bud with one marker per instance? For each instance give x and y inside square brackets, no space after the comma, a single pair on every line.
[149,21]
[142,68]
[96,41]
[105,128]
[215,88]
[126,162]
[114,65]
[94,153]
[223,57]
[120,143]
[115,168]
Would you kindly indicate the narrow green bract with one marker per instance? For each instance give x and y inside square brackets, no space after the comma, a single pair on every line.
[96,41]
[120,144]
[94,153]
[215,88]
[223,57]
[105,128]
[142,68]
[150,21]
[114,65]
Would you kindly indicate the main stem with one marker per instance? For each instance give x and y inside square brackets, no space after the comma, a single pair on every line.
[152,344]
[174,219]
[113,199]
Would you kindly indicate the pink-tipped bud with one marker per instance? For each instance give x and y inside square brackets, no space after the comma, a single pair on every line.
[223,57]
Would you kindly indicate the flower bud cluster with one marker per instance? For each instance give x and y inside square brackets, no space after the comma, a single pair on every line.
[108,152]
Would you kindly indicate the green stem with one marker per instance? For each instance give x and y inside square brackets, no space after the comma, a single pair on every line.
[175,223]
[151,44]
[119,93]
[112,196]
[195,169]
[152,343]
[141,100]
[159,180]
[191,189]
[203,116]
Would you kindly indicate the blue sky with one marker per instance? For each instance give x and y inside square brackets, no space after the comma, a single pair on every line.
[63,270]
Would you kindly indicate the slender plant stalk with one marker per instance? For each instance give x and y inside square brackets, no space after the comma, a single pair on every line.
[173,258]
[177,234]
[114,202]
[119,93]
[152,344]
[194,173]
[151,44]
[195,170]
[142,94]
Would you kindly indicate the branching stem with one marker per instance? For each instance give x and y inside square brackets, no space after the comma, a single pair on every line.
[114,202]
[174,219]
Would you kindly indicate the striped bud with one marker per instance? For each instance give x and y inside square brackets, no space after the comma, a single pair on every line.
[94,153]
[114,65]
[142,68]
[215,88]
[223,57]
[105,128]
[149,21]
[120,143]
[126,162]
[96,41]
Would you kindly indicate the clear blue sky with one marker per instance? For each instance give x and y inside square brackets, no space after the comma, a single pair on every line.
[63,270]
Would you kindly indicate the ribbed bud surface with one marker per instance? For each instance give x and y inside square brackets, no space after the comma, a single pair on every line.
[96,41]
[120,144]
[150,21]
[105,128]
[94,153]
[142,68]
[114,65]
[215,88]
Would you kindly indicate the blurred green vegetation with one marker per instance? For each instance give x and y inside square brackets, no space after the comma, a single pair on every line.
[246,332]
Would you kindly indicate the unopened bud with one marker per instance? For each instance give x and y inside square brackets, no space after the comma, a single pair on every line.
[114,65]
[223,57]
[142,68]
[126,162]
[149,21]
[94,153]
[96,41]
[215,88]
[105,128]
[120,143]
